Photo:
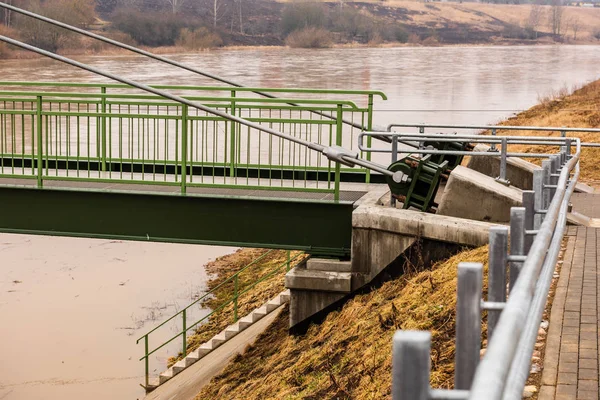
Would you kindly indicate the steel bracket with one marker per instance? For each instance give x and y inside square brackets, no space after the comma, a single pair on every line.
[339,154]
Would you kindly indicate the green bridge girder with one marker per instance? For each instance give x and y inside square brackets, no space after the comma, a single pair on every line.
[318,227]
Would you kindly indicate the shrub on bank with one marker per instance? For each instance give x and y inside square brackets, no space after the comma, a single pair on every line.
[309,38]
[200,38]
[150,28]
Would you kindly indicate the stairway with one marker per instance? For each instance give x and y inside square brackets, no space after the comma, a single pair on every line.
[222,337]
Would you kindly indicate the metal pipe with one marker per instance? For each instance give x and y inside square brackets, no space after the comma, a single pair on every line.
[493,369]
[151,55]
[411,365]
[468,323]
[497,258]
[519,370]
[517,243]
[314,146]
[489,127]
[529,204]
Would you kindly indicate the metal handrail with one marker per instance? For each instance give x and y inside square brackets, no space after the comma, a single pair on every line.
[202,88]
[493,127]
[232,299]
[512,324]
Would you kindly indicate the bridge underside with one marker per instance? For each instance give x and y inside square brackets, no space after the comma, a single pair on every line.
[318,226]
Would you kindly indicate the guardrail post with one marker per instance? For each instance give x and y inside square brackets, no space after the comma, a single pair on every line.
[568,149]
[40,169]
[394,159]
[497,259]
[529,205]
[235,298]
[468,323]
[493,146]
[554,165]
[184,145]
[183,333]
[232,140]
[146,361]
[369,128]
[503,156]
[538,188]
[517,242]
[103,128]
[411,365]
[338,141]
[547,195]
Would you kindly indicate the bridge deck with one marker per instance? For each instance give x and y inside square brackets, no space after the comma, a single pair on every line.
[570,369]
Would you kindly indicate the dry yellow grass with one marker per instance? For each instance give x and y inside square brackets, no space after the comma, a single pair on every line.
[581,109]
[223,268]
[349,354]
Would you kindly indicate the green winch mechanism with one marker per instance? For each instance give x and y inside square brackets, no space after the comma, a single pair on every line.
[416,181]
[453,160]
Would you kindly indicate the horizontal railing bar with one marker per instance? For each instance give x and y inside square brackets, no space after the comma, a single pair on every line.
[191,98]
[203,88]
[493,305]
[496,127]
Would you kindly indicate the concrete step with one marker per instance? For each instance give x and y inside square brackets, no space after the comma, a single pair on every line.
[285,296]
[179,366]
[324,281]
[190,359]
[326,264]
[273,304]
[217,340]
[165,376]
[231,331]
[259,313]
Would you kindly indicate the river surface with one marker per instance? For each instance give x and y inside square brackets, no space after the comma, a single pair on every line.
[71,309]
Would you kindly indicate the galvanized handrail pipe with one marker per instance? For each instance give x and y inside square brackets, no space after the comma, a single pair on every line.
[150,55]
[341,155]
[497,127]
[490,377]
[519,370]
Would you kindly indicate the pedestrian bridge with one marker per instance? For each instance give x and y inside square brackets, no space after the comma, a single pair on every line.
[113,161]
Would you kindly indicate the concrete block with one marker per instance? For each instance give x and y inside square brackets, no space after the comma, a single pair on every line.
[420,224]
[304,279]
[325,264]
[518,171]
[473,195]
[306,303]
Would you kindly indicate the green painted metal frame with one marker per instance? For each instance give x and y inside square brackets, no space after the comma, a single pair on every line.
[317,227]
[98,106]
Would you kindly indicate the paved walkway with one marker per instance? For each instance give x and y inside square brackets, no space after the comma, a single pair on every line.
[571,357]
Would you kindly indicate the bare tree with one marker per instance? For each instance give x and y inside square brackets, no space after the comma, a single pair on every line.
[556,17]
[240,13]
[7,14]
[175,5]
[575,25]
[217,13]
[535,17]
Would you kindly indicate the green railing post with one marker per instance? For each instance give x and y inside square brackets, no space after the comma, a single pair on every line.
[146,362]
[338,142]
[232,138]
[183,334]
[369,128]
[235,298]
[184,143]
[103,129]
[40,169]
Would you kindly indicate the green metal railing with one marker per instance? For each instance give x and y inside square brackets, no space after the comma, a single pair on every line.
[233,299]
[128,137]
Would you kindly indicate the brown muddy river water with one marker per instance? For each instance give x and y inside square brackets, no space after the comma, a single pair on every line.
[71,309]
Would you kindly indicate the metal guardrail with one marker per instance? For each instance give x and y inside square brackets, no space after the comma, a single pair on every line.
[238,290]
[537,230]
[130,138]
